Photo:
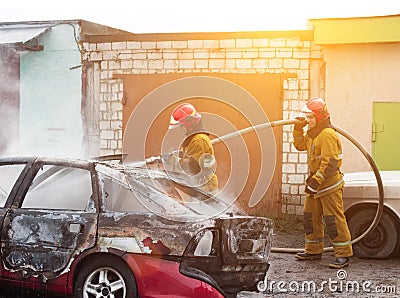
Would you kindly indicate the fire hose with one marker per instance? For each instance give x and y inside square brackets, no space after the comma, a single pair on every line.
[370,160]
[368,157]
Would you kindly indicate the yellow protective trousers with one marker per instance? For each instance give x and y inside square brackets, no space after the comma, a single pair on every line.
[326,211]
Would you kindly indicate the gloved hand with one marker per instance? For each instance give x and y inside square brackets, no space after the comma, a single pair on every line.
[311,186]
[170,159]
[300,125]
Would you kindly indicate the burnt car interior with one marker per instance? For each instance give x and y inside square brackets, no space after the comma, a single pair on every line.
[119,197]
[192,199]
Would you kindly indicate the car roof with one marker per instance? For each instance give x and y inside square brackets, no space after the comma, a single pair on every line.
[365,185]
[112,162]
[368,177]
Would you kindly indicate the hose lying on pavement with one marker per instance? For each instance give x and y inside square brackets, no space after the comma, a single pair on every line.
[370,160]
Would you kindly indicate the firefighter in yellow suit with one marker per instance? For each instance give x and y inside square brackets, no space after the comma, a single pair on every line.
[324,186]
[196,155]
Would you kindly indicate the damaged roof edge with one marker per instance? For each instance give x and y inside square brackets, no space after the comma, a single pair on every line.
[16,35]
[87,27]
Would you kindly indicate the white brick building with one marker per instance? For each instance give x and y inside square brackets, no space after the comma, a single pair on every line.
[247,53]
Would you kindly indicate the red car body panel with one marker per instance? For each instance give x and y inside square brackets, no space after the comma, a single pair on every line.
[56,286]
[156,277]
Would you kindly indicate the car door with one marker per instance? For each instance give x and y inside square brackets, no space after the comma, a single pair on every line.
[9,173]
[52,219]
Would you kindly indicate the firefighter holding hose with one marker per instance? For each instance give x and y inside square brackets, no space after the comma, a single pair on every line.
[196,154]
[323,205]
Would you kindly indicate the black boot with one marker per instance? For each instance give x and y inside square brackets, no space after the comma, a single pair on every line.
[339,263]
[303,256]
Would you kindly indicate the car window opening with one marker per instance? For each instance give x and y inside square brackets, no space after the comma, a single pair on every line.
[189,197]
[8,176]
[58,187]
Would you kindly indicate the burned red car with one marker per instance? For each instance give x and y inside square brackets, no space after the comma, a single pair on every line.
[95,228]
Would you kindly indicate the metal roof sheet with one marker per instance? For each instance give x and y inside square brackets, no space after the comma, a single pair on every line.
[20,34]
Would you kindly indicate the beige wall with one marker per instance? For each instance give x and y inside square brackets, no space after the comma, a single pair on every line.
[357,76]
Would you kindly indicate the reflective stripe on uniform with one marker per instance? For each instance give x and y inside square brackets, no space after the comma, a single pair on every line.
[331,187]
[314,241]
[341,243]
[320,175]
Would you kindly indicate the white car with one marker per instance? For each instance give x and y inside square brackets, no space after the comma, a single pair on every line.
[361,198]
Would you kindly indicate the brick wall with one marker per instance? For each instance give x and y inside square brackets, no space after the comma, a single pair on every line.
[231,55]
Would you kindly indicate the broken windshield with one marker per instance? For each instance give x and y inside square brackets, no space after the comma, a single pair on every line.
[191,198]
[132,189]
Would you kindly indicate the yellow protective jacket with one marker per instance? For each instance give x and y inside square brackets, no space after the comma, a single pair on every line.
[192,149]
[324,153]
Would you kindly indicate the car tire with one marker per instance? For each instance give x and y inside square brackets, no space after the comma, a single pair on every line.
[381,243]
[88,284]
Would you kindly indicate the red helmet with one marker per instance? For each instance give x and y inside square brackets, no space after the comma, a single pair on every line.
[184,114]
[317,107]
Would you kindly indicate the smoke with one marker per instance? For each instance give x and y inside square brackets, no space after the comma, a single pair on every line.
[34,136]
[8,127]
[9,98]
[37,115]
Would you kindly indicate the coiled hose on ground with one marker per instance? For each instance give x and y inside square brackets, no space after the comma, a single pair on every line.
[370,160]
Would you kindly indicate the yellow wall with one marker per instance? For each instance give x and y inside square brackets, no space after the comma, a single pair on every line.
[357,30]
